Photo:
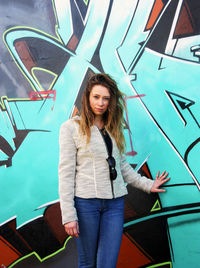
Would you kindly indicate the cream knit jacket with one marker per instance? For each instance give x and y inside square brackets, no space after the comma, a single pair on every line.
[83,169]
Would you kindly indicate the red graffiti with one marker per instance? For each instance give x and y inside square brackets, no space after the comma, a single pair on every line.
[45,94]
[132,152]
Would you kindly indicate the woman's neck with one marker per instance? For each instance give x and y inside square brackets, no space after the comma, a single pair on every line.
[98,121]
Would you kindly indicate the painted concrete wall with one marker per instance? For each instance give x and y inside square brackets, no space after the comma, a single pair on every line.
[48,49]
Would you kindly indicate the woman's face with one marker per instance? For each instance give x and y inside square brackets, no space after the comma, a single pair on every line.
[99,99]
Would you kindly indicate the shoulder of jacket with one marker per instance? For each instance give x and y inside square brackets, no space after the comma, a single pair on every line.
[72,120]
[70,123]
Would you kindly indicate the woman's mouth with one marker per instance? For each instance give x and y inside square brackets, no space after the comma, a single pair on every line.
[99,109]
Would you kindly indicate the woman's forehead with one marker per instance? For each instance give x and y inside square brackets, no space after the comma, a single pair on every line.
[100,90]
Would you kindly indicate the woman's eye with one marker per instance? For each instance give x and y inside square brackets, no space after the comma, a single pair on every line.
[96,97]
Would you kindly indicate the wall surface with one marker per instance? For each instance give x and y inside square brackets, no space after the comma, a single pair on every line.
[48,49]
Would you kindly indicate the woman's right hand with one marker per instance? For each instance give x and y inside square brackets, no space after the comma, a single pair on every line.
[72,228]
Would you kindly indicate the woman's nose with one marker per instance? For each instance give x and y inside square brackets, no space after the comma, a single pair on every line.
[100,101]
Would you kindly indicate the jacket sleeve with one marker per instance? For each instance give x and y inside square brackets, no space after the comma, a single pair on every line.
[133,178]
[66,172]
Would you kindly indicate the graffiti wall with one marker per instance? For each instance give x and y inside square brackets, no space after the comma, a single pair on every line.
[152,49]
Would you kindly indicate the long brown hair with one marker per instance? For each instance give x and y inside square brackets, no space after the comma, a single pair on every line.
[113,117]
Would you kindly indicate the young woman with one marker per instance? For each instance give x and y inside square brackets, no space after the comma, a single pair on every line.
[93,174]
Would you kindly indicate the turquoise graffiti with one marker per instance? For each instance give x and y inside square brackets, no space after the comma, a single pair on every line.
[49,48]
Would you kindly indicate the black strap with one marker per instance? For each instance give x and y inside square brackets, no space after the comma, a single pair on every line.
[107,140]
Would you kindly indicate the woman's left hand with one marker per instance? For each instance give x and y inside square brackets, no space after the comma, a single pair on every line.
[159,180]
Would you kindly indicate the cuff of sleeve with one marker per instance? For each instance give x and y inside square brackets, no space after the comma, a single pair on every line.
[69,215]
[150,184]
[69,219]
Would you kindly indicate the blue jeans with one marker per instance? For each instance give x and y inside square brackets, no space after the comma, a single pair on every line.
[101,228]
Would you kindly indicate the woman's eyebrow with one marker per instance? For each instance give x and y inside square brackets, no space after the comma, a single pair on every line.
[107,96]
